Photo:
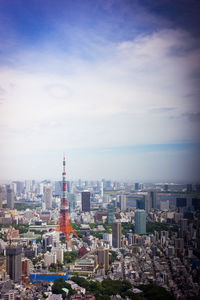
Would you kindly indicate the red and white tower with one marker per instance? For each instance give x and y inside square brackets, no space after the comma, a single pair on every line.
[64,225]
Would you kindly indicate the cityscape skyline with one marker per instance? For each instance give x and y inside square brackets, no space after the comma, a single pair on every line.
[113,84]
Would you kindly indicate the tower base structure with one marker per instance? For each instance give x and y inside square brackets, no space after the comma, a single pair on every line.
[64,226]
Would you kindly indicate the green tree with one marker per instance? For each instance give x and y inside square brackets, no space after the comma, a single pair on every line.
[52,267]
[113,256]
[59,284]
[70,256]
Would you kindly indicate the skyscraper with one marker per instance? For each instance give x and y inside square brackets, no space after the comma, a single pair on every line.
[137,185]
[116,235]
[122,202]
[68,183]
[189,188]
[181,202]
[1,197]
[28,185]
[166,187]
[103,257]
[140,203]
[85,199]
[140,221]
[111,210]
[58,188]
[101,189]
[13,262]
[152,200]
[10,198]
[47,198]
[72,202]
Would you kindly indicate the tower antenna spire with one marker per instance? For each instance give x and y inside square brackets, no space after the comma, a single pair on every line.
[64,225]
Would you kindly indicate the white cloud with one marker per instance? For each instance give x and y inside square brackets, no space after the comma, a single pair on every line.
[107,102]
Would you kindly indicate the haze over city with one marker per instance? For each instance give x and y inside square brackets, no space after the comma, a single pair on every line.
[113,84]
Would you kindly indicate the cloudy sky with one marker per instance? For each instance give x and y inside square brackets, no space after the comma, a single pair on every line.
[112,83]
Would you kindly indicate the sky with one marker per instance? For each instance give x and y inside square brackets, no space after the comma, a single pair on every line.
[113,84]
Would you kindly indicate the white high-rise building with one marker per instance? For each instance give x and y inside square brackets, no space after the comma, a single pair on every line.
[107,237]
[14,187]
[50,258]
[41,188]
[28,185]
[122,201]
[47,197]
[59,254]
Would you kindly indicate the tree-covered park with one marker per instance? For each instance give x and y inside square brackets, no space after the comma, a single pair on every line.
[105,289]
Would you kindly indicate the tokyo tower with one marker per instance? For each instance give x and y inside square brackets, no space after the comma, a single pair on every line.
[64,225]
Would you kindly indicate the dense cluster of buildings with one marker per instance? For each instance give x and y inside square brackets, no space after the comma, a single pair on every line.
[112,220]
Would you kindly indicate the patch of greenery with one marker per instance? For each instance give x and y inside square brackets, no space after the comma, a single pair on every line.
[156,226]
[105,289]
[59,284]
[113,256]
[154,292]
[70,257]
[52,267]
[93,225]
[97,234]
[108,228]
[24,206]
[76,226]
[3,237]
[35,260]
[127,227]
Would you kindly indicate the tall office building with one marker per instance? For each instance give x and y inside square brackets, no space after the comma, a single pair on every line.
[140,221]
[58,188]
[111,210]
[85,200]
[79,183]
[196,203]
[140,203]
[152,200]
[41,188]
[116,235]
[14,262]
[1,197]
[28,185]
[20,186]
[146,203]
[10,198]
[122,202]
[137,185]
[101,189]
[166,187]
[189,188]
[197,188]
[13,186]
[181,202]
[71,202]
[47,197]
[68,183]
[103,258]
